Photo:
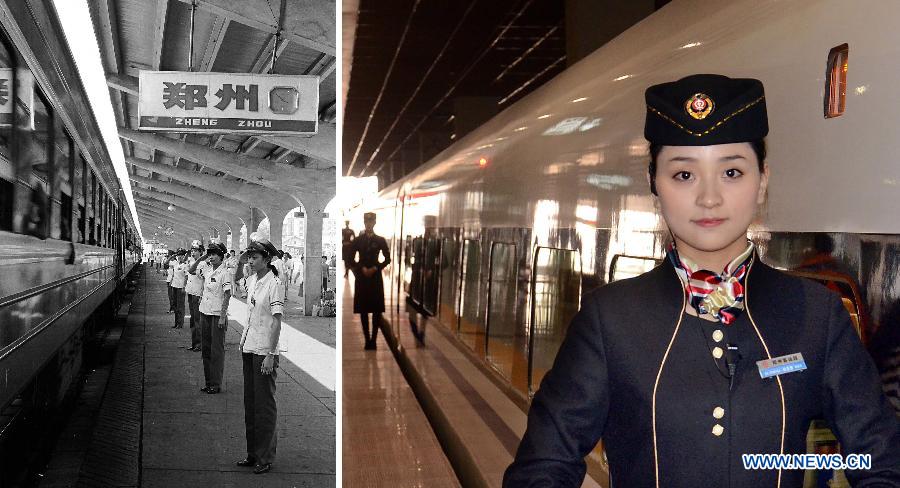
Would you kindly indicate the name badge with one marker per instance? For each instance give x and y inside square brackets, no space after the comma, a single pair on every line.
[781,365]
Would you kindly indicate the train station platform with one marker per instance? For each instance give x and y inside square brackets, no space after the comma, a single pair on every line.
[145,423]
[477,424]
[387,440]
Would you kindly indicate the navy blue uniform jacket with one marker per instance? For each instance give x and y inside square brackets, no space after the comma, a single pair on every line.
[638,372]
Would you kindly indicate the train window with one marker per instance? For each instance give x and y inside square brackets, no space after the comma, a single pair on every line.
[79,185]
[33,164]
[836,81]
[849,292]
[506,343]
[415,257]
[91,206]
[7,171]
[625,266]
[431,274]
[555,298]
[61,227]
[470,329]
[449,282]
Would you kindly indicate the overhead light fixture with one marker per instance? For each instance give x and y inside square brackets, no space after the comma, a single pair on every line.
[623,77]
[581,99]
[171,208]
[690,45]
[544,116]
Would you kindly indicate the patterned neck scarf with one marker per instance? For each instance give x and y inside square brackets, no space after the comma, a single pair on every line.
[719,295]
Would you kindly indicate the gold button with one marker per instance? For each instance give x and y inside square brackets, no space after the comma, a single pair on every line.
[718,430]
[717,352]
[718,335]
[718,412]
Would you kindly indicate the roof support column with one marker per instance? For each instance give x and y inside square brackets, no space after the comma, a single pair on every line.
[312,279]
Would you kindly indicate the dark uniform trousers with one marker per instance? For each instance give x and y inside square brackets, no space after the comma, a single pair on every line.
[260,411]
[178,293]
[171,296]
[638,372]
[194,305]
[212,340]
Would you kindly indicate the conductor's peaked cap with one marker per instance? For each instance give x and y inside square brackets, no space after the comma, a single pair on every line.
[264,246]
[705,110]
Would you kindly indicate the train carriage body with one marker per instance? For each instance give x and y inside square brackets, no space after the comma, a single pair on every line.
[67,239]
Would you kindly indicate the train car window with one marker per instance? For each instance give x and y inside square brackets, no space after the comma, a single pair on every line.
[7,170]
[470,328]
[105,224]
[416,259]
[80,191]
[555,299]
[836,81]
[624,266]
[506,345]
[34,166]
[91,206]
[62,184]
[447,310]
[431,274]
[850,295]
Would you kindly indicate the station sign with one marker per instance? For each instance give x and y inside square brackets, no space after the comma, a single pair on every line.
[249,103]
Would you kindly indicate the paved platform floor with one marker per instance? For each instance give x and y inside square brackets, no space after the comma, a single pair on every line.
[192,439]
[387,440]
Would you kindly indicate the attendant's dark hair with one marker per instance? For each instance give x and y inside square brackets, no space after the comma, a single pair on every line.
[272,267]
[758,146]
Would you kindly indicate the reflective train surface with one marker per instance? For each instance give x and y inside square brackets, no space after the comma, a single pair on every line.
[501,234]
[67,239]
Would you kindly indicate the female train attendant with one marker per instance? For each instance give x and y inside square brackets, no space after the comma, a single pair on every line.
[712,354]
[259,348]
[179,281]
[213,310]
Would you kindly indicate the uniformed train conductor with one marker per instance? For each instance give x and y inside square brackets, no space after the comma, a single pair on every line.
[713,354]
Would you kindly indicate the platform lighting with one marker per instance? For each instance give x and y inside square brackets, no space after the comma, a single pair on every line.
[171,208]
[579,99]
[623,77]
[482,162]
[544,116]
[520,129]
[690,45]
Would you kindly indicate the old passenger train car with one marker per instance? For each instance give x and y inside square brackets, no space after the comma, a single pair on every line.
[67,238]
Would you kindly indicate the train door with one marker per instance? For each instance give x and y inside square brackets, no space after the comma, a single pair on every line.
[448,313]
[501,338]
[555,299]
[469,327]
[400,268]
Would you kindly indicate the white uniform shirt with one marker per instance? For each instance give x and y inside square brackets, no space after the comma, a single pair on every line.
[265,298]
[179,275]
[195,281]
[170,271]
[215,283]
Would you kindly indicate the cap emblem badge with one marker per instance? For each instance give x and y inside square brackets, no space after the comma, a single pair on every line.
[699,106]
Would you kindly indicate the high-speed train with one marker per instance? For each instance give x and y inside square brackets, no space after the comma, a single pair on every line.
[67,239]
[500,234]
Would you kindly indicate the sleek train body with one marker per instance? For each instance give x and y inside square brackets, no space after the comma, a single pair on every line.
[500,234]
[67,239]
